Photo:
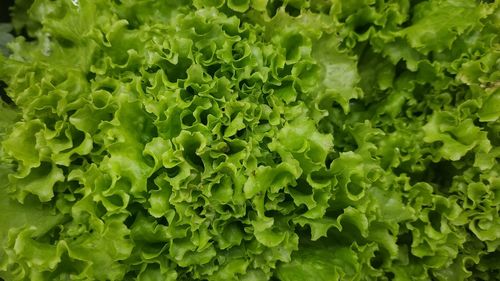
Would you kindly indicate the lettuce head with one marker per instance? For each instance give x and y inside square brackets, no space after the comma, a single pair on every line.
[250,140]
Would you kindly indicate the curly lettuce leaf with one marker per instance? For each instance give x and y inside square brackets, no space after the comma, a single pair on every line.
[250,140]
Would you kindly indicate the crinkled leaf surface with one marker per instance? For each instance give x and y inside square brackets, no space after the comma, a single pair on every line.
[250,140]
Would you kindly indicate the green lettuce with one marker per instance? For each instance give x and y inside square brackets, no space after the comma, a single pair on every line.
[250,140]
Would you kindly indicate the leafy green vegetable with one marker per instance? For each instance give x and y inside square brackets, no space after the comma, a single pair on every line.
[250,140]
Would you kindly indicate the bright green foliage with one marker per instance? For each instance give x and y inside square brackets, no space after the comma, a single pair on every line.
[250,140]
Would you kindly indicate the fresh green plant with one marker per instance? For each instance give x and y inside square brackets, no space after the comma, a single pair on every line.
[250,140]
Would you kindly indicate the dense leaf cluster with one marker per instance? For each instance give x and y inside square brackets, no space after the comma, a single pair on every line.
[250,140]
